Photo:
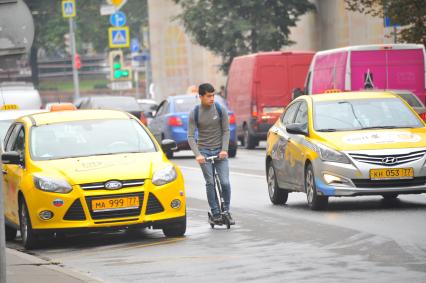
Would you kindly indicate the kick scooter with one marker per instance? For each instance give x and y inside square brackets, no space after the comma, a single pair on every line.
[219,197]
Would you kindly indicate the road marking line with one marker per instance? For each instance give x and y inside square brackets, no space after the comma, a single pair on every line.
[231,172]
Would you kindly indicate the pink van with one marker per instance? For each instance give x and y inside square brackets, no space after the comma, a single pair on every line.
[390,66]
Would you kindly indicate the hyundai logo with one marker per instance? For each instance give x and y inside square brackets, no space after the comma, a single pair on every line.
[113,185]
[389,160]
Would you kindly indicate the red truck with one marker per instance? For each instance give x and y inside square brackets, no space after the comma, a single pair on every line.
[260,86]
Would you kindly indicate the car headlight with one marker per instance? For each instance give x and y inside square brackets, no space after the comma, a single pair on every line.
[49,184]
[331,155]
[164,176]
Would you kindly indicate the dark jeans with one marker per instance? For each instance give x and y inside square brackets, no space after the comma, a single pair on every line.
[222,169]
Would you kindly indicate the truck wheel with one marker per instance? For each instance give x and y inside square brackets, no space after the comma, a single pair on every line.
[276,194]
[315,201]
[249,140]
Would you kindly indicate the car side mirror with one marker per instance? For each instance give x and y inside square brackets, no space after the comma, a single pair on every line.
[11,157]
[168,145]
[296,93]
[297,129]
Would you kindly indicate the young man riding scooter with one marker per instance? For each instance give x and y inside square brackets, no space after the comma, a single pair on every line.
[212,123]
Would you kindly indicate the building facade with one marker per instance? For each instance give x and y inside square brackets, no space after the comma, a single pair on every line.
[178,62]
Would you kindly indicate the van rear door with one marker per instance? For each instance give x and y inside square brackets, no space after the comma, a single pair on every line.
[389,69]
[272,85]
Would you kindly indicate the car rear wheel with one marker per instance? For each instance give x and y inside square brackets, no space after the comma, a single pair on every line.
[232,152]
[276,194]
[315,201]
[175,229]
[29,239]
[249,141]
[10,233]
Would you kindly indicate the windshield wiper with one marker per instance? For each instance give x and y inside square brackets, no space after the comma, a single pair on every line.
[327,130]
[380,127]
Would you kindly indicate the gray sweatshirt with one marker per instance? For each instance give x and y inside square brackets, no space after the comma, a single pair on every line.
[212,131]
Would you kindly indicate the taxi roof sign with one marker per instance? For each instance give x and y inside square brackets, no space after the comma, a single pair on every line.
[10,107]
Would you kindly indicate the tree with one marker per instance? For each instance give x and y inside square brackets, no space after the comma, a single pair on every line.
[50,26]
[238,27]
[411,15]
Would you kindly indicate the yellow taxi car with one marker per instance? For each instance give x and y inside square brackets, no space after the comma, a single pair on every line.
[86,170]
[346,144]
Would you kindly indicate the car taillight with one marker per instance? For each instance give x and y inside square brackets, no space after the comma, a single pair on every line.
[175,121]
[254,110]
[232,118]
[423,116]
[143,119]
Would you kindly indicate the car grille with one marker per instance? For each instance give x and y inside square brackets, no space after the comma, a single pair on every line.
[115,213]
[101,185]
[154,205]
[75,212]
[390,159]
[367,183]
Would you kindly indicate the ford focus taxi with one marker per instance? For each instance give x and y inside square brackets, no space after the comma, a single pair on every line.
[88,170]
[346,144]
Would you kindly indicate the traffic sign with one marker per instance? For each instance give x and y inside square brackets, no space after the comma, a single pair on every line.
[68,8]
[118,37]
[121,85]
[107,10]
[118,19]
[134,45]
[117,3]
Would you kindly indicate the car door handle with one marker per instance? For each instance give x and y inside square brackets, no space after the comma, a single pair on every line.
[4,172]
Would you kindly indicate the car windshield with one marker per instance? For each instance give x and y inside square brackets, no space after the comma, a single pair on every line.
[185,104]
[356,114]
[87,138]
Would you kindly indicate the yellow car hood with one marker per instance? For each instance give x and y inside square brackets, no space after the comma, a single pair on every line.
[374,139]
[101,168]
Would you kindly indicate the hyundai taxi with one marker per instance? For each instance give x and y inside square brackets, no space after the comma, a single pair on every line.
[88,170]
[346,144]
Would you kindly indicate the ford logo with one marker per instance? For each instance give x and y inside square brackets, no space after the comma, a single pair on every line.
[113,185]
[389,160]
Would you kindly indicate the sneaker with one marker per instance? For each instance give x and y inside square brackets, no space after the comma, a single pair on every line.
[231,220]
[217,219]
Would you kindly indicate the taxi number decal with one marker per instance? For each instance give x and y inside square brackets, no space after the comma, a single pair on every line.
[391,173]
[114,203]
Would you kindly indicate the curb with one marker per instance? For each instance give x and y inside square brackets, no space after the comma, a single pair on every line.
[58,267]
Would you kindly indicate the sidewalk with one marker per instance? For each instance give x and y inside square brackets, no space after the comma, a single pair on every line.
[22,267]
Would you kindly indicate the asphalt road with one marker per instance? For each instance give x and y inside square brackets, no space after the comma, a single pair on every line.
[355,239]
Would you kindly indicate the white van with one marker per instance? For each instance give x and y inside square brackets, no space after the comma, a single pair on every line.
[22,94]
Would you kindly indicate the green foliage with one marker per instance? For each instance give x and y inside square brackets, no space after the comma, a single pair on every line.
[50,26]
[238,27]
[411,15]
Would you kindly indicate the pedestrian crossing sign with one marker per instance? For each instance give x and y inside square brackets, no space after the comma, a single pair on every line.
[68,8]
[118,37]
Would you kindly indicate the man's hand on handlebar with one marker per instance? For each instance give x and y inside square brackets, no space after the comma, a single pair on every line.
[200,159]
[223,154]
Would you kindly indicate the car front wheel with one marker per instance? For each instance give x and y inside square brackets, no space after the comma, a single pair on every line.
[276,194]
[29,239]
[315,201]
[176,229]
[10,233]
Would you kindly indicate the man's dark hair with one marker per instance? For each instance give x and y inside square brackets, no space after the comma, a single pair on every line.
[205,88]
